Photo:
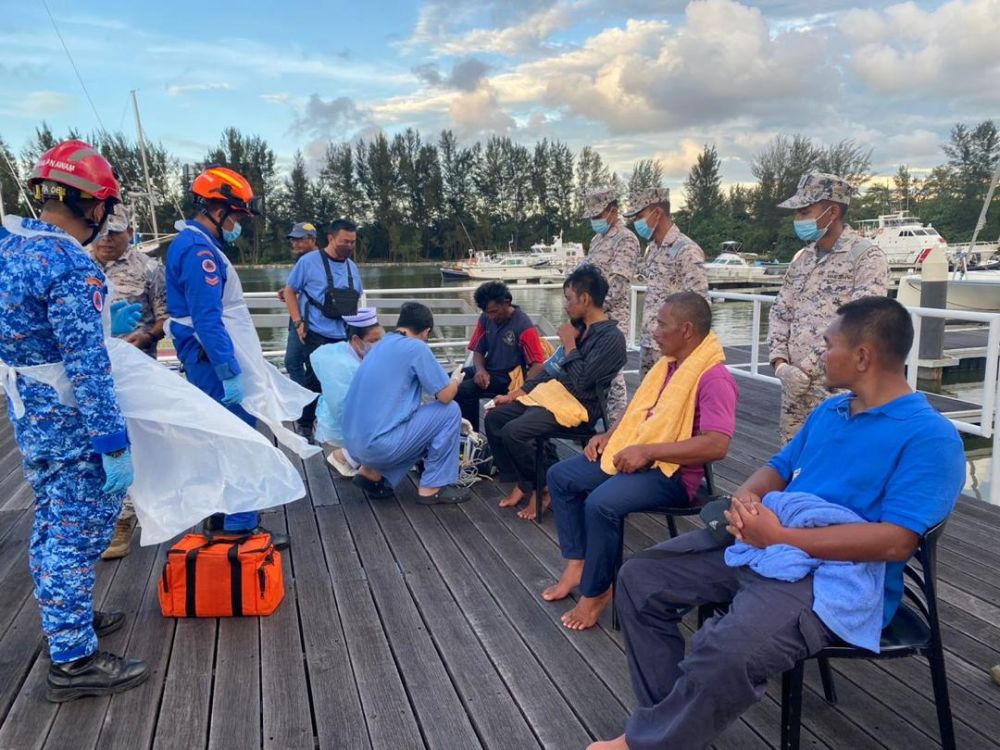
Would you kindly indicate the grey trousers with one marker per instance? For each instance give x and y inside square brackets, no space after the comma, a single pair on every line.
[687,701]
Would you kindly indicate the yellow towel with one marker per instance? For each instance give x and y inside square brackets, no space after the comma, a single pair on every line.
[517,374]
[673,406]
[552,395]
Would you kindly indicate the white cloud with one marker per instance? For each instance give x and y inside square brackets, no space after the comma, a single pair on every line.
[527,38]
[276,98]
[949,51]
[178,89]
[478,112]
[37,105]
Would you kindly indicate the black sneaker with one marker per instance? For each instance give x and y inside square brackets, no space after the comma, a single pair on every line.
[379,490]
[450,495]
[100,673]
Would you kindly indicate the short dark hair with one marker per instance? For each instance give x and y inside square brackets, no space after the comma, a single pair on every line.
[880,321]
[664,206]
[360,331]
[492,291]
[588,279]
[415,316]
[342,224]
[691,306]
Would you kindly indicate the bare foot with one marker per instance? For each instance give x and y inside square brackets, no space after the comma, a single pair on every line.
[568,581]
[618,743]
[527,513]
[511,500]
[586,612]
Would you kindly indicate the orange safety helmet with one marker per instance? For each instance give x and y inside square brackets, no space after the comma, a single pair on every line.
[219,184]
[77,166]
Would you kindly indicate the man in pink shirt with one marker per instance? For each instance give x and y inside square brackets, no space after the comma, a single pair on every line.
[589,503]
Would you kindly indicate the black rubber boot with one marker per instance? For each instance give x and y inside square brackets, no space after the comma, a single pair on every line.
[100,673]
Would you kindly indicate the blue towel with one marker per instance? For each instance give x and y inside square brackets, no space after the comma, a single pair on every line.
[847,596]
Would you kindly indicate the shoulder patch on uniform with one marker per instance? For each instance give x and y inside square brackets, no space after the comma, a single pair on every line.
[209,253]
[98,299]
[212,280]
[94,281]
[208,265]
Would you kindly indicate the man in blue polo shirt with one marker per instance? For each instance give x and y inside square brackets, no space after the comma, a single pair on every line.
[322,288]
[505,338]
[881,451]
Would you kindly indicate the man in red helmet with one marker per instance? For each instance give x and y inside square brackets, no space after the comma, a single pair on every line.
[55,370]
[211,327]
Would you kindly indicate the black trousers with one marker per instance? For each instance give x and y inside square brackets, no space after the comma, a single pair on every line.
[313,342]
[511,430]
[469,393]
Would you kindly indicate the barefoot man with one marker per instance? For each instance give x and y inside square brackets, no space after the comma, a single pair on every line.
[682,416]
[563,396]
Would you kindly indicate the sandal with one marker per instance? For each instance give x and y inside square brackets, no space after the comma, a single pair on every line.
[377,490]
[450,495]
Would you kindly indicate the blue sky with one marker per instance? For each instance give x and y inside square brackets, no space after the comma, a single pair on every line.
[635,78]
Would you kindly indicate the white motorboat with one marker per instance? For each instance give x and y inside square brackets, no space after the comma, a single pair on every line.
[902,237]
[542,263]
[974,291]
[730,267]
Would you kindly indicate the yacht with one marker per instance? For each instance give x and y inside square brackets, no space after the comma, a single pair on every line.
[543,262]
[902,237]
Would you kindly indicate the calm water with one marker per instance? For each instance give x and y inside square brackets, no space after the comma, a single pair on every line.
[732,323]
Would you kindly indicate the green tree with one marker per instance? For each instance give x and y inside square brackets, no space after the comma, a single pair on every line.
[646,173]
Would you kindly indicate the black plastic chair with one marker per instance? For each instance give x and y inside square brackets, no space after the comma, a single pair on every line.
[580,434]
[914,631]
[705,493]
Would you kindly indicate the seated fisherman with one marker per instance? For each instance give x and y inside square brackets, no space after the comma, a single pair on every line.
[594,352]
[881,451]
[504,339]
[335,366]
[387,430]
[682,416]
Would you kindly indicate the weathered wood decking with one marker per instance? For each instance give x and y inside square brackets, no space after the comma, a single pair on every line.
[407,627]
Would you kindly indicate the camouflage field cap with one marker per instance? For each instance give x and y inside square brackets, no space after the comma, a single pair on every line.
[647,197]
[818,186]
[120,219]
[598,199]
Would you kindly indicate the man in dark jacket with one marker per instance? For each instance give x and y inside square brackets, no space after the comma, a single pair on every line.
[504,339]
[594,352]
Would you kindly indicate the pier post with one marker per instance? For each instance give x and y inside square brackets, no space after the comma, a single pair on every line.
[933,293]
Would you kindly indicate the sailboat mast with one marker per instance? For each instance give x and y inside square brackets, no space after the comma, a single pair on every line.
[986,207]
[145,165]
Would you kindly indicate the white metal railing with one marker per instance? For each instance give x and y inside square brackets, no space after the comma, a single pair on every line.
[989,415]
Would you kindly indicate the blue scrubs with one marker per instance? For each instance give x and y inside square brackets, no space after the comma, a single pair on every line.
[196,277]
[51,297]
[386,427]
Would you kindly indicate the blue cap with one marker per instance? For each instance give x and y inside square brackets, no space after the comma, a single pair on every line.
[300,230]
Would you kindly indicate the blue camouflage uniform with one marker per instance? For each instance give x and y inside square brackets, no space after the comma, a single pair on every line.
[51,297]
[196,277]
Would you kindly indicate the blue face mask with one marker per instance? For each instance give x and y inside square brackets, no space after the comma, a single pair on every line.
[600,226]
[643,229]
[231,235]
[807,229]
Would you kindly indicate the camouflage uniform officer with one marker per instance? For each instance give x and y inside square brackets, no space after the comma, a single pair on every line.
[837,266]
[56,373]
[133,276]
[673,263]
[615,250]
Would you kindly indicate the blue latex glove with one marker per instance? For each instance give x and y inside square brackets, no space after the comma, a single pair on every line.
[118,472]
[233,390]
[125,316]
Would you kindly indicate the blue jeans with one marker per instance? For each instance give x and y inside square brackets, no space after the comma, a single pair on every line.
[589,505]
[295,356]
